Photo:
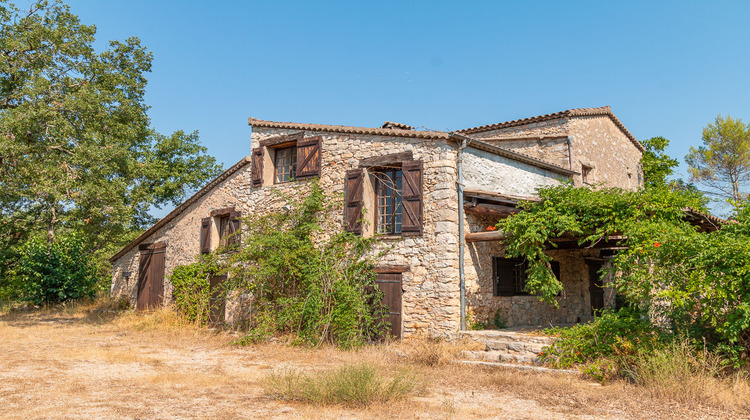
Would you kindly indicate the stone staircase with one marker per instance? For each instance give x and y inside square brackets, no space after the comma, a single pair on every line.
[506,346]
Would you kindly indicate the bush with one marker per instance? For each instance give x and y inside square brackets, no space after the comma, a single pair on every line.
[192,288]
[53,272]
[318,289]
[617,335]
[354,386]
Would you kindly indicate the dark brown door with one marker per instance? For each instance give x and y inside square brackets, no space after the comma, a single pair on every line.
[390,285]
[217,300]
[151,276]
[596,286]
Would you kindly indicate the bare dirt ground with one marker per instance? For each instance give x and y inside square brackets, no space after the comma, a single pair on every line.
[89,364]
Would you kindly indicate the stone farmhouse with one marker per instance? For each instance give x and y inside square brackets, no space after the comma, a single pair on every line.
[428,195]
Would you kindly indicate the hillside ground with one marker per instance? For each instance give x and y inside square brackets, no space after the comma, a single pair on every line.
[86,362]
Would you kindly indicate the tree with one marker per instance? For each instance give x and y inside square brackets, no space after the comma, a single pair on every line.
[77,153]
[656,164]
[723,162]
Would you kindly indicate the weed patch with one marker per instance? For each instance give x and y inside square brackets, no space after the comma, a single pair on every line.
[357,385]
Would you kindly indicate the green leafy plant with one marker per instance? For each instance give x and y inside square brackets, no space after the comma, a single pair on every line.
[619,336]
[54,272]
[192,288]
[318,287]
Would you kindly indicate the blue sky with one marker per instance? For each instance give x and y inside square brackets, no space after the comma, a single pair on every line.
[666,67]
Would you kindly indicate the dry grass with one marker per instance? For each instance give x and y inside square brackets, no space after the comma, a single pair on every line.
[428,351]
[87,361]
[358,385]
[679,373]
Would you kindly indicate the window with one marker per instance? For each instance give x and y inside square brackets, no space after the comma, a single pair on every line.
[586,174]
[393,202]
[285,158]
[285,164]
[388,190]
[510,275]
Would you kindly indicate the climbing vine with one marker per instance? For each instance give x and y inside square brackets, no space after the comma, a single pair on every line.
[699,282]
[305,281]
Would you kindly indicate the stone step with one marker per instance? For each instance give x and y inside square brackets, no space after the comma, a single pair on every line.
[507,336]
[514,346]
[498,356]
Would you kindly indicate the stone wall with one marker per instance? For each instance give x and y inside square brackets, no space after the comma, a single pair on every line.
[600,144]
[430,285]
[181,235]
[490,172]
[545,140]
[596,142]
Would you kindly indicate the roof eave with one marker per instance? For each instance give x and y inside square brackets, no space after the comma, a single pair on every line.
[179,209]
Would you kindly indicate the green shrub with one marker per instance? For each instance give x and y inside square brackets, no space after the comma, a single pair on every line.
[617,335]
[53,272]
[192,288]
[353,386]
[318,289]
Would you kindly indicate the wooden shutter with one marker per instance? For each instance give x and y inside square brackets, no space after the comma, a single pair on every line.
[411,198]
[257,167]
[308,157]
[205,240]
[234,228]
[503,274]
[354,200]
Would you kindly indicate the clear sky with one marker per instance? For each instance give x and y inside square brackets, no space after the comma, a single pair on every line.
[666,67]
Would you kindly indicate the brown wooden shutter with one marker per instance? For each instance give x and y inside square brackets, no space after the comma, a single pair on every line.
[257,167]
[411,222]
[205,235]
[234,228]
[354,200]
[308,157]
[503,274]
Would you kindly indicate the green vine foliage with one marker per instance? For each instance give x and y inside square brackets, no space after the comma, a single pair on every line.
[55,272]
[697,283]
[317,286]
[192,288]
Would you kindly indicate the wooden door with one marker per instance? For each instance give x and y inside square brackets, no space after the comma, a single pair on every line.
[596,286]
[151,276]
[217,300]
[390,285]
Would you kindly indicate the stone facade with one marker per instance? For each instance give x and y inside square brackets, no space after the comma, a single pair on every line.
[573,142]
[431,280]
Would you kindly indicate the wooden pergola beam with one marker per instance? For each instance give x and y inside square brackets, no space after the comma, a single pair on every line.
[485,209]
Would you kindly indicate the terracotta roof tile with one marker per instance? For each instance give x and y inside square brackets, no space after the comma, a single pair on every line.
[576,112]
[391,124]
[390,132]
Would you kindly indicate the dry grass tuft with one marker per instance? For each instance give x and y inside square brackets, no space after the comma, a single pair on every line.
[679,373]
[434,351]
[359,385]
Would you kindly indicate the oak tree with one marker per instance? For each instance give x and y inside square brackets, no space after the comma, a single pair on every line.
[77,153]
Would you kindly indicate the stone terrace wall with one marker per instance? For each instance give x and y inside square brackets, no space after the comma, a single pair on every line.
[599,143]
[431,296]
